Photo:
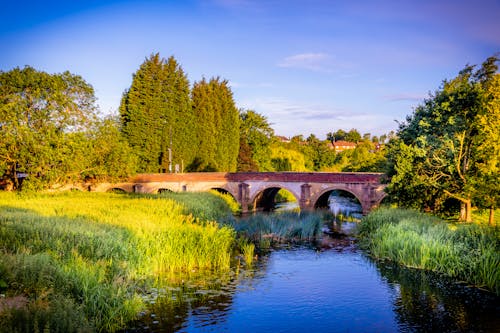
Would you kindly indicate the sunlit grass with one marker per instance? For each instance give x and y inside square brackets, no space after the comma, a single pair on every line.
[468,252]
[481,216]
[99,250]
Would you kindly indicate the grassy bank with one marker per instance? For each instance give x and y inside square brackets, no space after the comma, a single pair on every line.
[467,252]
[266,230]
[79,261]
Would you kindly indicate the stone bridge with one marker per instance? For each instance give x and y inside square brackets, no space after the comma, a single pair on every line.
[256,190]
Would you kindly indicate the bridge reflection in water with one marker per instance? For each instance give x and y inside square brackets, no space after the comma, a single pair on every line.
[256,190]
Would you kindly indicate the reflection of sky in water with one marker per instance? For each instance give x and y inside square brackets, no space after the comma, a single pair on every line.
[305,290]
[308,291]
[345,206]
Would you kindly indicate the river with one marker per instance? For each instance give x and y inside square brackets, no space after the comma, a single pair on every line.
[332,287]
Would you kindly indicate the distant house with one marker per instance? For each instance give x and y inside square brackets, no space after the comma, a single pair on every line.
[341,145]
[283,139]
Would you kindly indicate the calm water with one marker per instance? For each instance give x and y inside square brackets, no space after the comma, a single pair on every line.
[332,287]
[336,290]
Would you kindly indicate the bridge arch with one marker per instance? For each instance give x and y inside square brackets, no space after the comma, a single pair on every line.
[322,198]
[225,191]
[116,190]
[164,190]
[264,198]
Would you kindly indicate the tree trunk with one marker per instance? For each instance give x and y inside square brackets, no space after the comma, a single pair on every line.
[462,212]
[465,210]
[468,211]
[491,220]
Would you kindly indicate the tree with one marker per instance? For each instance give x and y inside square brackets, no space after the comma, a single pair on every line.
[353,136]
[156,115]
[448,127]
[110,156]
[487,158]
[245,161]
[338,135]
[258,134]
[285,158]
[42,122]
[330,136]
[217,120]
[318,153]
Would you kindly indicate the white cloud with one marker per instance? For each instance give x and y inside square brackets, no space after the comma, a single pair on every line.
[291,118]
[318,62]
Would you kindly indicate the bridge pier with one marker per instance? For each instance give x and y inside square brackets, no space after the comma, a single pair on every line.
[244,196]
[305,197]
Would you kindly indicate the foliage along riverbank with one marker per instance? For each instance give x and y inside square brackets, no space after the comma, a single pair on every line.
[467,252]
[77,262]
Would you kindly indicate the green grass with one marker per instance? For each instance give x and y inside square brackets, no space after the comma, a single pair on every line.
[266,230]
[93,254]
[467,252]
[481,216]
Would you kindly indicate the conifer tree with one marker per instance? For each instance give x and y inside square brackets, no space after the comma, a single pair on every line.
[156,115]
[217,121]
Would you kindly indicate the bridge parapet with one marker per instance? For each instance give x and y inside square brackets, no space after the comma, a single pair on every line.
[248,187]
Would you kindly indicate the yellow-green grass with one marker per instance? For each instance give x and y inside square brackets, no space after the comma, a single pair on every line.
[96,252]
[481,216]
[467,252]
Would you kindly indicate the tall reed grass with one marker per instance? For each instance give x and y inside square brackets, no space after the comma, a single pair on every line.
[268,229]
[467,252]
[96,251]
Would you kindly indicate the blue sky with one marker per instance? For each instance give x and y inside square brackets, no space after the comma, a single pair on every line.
[310,66]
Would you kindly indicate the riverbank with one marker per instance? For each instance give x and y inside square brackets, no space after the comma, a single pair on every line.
[81,261]
[465,252]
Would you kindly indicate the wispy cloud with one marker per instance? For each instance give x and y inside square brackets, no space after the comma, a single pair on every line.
[318,62]
[291,118]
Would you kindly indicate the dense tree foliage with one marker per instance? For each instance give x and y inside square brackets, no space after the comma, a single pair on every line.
[157,117]
[287,159]
[448,148]
[40,118]
[217,120]
[259,135]
[50,133]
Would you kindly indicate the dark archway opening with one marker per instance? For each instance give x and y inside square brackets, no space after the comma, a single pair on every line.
[116,190]
[220,190]
[265,200]
[164,191]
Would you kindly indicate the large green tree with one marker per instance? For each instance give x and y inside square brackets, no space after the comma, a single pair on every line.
[109,155]
[42,122]
[447,140]
[257,133]
[217,121]
[317,153]
[156,114]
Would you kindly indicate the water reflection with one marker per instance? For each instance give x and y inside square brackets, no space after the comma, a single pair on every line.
[312,289]
[330,286]
[425,301]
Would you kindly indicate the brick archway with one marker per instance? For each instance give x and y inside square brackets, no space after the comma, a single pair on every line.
[307,187]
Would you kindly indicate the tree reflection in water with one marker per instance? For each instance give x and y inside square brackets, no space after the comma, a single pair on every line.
[425,301]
